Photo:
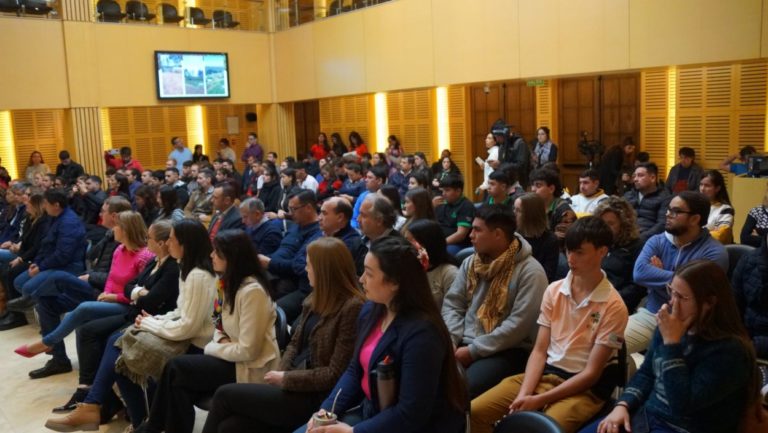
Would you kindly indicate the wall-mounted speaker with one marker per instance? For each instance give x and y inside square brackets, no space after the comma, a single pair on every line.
[251,117]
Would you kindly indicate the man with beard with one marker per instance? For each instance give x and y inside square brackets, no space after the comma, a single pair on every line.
[684,240]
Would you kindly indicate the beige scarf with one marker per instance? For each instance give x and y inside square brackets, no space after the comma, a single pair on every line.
[499,272]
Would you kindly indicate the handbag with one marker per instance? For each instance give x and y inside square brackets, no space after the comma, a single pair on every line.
[144,354]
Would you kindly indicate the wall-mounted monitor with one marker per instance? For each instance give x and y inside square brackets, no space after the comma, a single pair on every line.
[191,75]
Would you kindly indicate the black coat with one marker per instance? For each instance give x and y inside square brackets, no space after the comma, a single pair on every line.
[610,169]
[163,288]
[32,236]
[270,195]
[618,266]
[651,212]
[100,259]
[546,251]
[750,288]
[231,220]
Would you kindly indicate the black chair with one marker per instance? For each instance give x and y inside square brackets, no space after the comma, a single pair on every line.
[224,19]
[109,11]
[10,6]
[528,422]
[282,335]
[735,252]
[138,11]
[170,13]
[197,17]
[35,7]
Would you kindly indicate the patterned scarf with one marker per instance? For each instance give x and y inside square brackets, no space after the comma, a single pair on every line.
[218,305]
[499,272]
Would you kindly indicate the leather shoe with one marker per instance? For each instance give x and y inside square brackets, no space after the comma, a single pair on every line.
[21,304]
[51,367]
[77,397]
[12,320]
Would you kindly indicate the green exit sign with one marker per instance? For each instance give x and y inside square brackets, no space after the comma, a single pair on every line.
[534,83]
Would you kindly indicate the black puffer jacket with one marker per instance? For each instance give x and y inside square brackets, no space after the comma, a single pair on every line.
[750,287]
[100,258]
[651,212]
[618,266]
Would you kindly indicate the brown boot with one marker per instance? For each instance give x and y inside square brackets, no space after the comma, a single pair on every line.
[85,417]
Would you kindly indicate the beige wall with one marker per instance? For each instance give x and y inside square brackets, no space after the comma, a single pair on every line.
[402,44]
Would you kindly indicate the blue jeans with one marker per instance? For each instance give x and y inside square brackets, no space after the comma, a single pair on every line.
[49,310]
[38,285]
[6,256]
[83,313]
[650,424]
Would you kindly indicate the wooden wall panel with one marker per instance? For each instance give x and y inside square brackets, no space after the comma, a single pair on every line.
[459,109]
[347,114]
[307,121]
[148,131]
[77,10]
[653,115]
[87,137]
[620,109]
[216,128]
[411,117]
[578,111]
[41,130]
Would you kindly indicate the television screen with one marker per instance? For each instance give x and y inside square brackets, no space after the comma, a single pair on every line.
[191,75]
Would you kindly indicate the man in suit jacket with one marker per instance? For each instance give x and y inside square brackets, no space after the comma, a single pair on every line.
[227,215]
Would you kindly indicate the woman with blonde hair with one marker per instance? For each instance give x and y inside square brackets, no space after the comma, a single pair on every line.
[128,261]
[35,166]
[620,261]
[317,355]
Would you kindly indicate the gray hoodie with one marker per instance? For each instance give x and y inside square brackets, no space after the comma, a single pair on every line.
[518,329]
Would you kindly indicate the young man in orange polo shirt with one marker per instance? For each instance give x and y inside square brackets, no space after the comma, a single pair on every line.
[581,327]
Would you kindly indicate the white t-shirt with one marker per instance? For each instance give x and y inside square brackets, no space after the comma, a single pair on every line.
[309,183]
[493,155]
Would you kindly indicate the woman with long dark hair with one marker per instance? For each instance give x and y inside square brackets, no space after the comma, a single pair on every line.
[243,348]
[544,151]
[146,203]
[417,206]
[338,148]
[321,149]
[401,327]
[699,374]
[118,185]
[356,144]
[169,204]
[392,194]
[394,152]
[720,222]
[317,355]
[442,266]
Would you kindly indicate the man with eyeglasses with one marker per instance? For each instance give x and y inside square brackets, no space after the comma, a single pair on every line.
[683,241]
[287,266]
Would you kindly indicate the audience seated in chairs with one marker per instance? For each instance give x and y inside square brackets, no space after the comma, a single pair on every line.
[685,240]
[320,350]
[155,291]
[621,258]
[16,197]
[498,189]
[288,263]
[334,219]
[128,260]
[374,179]
[426,235]
[491,308]
[531,216]
[35,227]
[401,326]
[146,203]
[227,215]
[582,323]
[265,234]
[590,194]
[200,204]
[546,184]
[243,348]
[168,198]
[699,373]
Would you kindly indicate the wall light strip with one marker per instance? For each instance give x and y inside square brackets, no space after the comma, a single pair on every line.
[7,146]
[671,115]
[382,121]
[443,127]
[195,130]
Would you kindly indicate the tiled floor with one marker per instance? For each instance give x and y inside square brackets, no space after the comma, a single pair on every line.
[26,404]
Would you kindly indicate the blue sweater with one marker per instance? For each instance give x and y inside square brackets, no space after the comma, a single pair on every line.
[266,236]
[663,246]
[290,260]
[415,348]
[699,386]
[64,243]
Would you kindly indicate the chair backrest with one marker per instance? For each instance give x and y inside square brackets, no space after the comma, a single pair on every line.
[463,254]
[281,329]
[133,8]
[9,5]
[108,7]
[169,10]
[735,252]
[219,15]
[528,422]
[196,13]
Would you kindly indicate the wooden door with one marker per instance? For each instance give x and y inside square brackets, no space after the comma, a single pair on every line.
[512,101]
[307,123]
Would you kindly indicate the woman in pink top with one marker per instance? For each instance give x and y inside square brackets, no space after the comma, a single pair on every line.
[128,261]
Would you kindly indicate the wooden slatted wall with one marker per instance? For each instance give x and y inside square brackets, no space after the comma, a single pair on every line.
[546,99]
[41,130]
[653,119]
[411,118]
[77,10]
[216,127]
[148,131]
[458,124]
[346,114]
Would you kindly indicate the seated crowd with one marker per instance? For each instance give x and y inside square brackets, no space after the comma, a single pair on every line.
[408,307]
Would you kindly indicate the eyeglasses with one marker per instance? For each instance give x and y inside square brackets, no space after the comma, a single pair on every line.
[295,208]
[675,294]
[675,211]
